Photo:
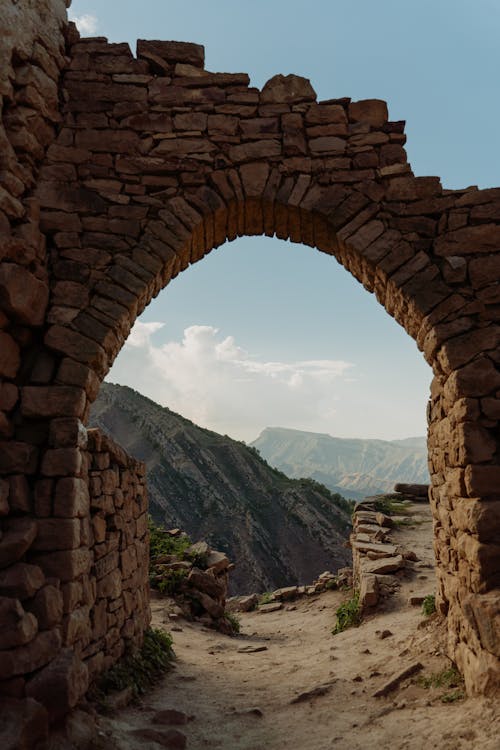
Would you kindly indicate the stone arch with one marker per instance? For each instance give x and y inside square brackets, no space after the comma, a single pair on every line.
[155,163]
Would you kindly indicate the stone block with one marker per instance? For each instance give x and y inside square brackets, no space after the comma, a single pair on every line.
[22,295]
[4,497]
[9,356]
[368,590]
[61,462]
[372,111]
[21,580]
[383,565]
[24,724]
[255,150]
[67,565]
[60,685]
[483,238]
[110,587]
[71,498]
[52,401]
[9,394]
[325,114]
[57,534]
[172,52]
[75,373]
[19,494]
[17,457]
[77,626]
[24,659]
[18,536]
[47,606]
[77,347]
[478,378]
[287,89]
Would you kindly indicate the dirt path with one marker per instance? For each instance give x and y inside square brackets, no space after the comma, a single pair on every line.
[243,698]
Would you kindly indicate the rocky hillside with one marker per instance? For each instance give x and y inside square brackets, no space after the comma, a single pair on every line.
[355,468]
[278,531]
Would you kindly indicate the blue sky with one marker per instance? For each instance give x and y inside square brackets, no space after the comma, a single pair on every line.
[263,332]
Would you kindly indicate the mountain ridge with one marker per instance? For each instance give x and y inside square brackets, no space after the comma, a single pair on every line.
[278,530]
[355,467]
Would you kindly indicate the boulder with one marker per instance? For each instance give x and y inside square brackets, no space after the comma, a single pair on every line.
[383,565]
[60,685]
[23,724]
[368,591]
[18,536]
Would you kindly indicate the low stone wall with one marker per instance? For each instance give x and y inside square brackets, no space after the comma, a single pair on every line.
[72,605]
[373,554]
[119,574]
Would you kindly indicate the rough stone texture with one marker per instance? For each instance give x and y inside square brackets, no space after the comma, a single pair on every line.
[117,173]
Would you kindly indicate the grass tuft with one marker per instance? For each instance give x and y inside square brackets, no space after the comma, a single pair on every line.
[348,614]
[429,605]
[138,669]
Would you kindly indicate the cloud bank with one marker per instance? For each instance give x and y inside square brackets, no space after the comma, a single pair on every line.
[211,380]
[87,23]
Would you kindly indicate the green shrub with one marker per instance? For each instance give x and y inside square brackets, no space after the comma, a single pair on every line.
[233,620]
[266,598]
[348,614]
[455,695]
[391,505]
[169,582]
[429,605]
[138,669]
[161,543]
[448,678]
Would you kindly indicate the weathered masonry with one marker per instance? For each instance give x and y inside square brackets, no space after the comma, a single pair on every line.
[116,173]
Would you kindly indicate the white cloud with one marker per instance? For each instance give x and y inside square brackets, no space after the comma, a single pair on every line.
[87,23]
[217,384]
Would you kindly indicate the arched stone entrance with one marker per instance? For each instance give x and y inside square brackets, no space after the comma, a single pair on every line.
[149,164]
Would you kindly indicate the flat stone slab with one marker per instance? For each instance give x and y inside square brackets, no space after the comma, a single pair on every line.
[384,549]
[272,607]
[383,565]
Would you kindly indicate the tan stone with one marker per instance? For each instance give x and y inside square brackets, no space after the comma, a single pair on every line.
[17,457]
[325,114]
[8,396]
[66,565]
[368,590]
[22,294]
[18,536]
[57,534]
[482,480]
[286,89]
[484,238]
[372,111]
[60,685]
[24,723]
[47,606]
[9,356]
[19,494]
[52,401]
[21,580]
[255,150]
[71,498]
[61,462]
[42,649]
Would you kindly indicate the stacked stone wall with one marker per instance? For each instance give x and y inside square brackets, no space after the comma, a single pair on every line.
[117,172]
[119,611]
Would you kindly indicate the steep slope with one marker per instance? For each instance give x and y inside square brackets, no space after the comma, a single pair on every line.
[353,467]
[279,531]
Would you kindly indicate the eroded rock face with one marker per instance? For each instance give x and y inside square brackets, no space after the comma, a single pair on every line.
[156,161]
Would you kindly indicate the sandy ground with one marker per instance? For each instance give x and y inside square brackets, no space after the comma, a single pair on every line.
[246,700]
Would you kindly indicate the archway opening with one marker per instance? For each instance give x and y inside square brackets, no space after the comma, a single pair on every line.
[271,342]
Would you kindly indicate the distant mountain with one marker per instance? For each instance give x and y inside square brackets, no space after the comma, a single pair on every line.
[353,467]
[278,531]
